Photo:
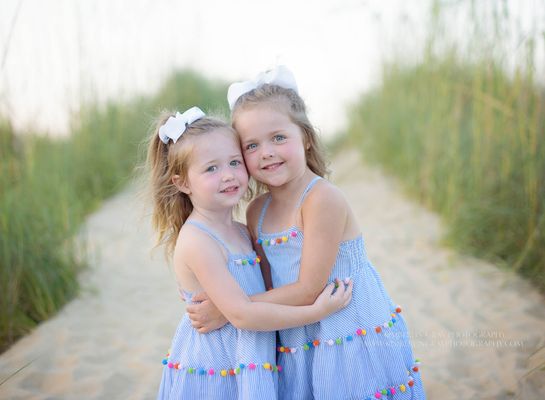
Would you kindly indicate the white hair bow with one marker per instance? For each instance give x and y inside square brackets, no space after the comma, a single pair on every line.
[280,76]
[175,126]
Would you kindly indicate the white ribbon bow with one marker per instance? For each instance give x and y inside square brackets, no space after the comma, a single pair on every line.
[280,76]
[175,126]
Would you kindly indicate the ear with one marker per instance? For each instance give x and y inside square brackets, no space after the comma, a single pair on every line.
[306,142]
[181,184]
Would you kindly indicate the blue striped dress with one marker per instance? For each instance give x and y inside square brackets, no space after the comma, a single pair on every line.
[361,352]
[227,363]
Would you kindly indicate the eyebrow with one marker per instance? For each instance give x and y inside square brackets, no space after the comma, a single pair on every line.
[270,134]
[216,160]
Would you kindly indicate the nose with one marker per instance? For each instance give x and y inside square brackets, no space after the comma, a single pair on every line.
[227,176]
[267,151]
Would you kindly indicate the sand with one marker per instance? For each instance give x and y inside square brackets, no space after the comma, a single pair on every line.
[477,329]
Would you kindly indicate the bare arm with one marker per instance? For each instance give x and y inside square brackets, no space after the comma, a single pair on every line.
[324,215]
[230,299]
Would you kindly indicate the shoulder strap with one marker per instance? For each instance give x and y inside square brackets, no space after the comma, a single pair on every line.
[210,233]
[244,231]
[262,215]
[307,189]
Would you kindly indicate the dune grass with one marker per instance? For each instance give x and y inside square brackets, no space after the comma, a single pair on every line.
[48,186]
[468,140]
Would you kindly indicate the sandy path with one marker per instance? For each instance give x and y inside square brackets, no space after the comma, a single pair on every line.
[473,326]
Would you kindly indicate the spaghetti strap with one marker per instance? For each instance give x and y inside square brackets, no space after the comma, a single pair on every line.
[307,189]
[262,215]
[244,231]
[210,233]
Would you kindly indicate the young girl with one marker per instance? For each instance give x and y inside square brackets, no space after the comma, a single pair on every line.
[197,177]
[308,233]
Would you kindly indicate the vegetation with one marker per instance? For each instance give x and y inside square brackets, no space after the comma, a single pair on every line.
[466,135]
[48,186]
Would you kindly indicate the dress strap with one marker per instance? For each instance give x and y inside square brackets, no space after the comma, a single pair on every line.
[210,233]
[244,232]
[307,189]
[262,215]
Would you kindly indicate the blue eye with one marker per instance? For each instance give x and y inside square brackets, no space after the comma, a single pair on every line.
[278,138]
[251,146]
[211,168]
[235,163]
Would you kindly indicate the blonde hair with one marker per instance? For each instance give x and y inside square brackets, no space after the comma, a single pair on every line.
[171,208]
[288,100]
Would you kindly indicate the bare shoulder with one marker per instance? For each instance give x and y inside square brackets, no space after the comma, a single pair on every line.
[325,196]
[193,243]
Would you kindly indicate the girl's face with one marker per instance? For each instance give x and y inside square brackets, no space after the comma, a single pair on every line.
[216,175]
[272,145]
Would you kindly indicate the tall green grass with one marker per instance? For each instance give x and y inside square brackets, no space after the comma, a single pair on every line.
[468,140]
[48,186]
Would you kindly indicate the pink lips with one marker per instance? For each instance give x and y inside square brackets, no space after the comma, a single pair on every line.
[230,189]
[272,167]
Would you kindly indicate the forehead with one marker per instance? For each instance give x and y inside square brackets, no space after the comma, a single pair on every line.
[219,143]
[262,119]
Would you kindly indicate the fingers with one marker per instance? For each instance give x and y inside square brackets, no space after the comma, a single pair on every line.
[340,288]
[330,287]
[191,309]
[348,293]
[200,296]
[195,313]
[196,324]
[343,293]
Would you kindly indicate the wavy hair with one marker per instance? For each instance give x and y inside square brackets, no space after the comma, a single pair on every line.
[171,208]
[287,100]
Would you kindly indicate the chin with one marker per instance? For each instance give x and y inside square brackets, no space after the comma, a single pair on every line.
[275,181]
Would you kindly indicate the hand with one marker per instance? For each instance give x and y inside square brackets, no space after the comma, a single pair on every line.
[332,300]
[205,317]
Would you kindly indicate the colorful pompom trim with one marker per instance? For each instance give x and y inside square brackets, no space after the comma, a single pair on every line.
[348,338]
[390,391]
[223,372]
[276,241]
[248,261]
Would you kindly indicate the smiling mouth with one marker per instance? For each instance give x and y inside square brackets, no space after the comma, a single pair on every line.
[230,189]
[272,167]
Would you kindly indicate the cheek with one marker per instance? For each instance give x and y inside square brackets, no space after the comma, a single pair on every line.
[251,161]
[295,151]
[242,176]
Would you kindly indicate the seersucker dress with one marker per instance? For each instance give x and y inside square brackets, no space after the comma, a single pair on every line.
[361,352]
[227,363]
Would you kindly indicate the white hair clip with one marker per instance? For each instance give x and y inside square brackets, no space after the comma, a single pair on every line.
[175,126]
[280,76]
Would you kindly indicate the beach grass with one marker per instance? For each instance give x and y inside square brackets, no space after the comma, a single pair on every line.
[467,139]
[48,185]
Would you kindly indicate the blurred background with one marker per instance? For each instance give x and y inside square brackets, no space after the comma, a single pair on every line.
[446,96]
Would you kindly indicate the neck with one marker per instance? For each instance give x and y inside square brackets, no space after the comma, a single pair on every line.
[213,218]
[291,191]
